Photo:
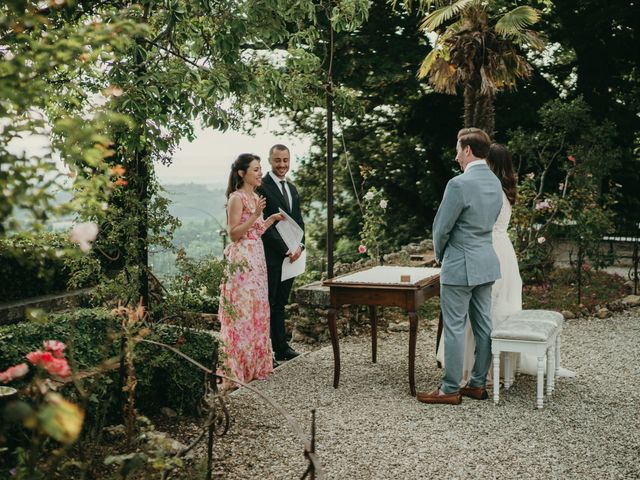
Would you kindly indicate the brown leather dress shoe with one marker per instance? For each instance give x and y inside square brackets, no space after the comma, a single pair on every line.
[438,397]
[478,393]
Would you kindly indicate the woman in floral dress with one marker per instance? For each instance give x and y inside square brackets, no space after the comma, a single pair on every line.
[244,299]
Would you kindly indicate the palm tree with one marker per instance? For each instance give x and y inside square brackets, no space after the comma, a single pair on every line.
[478,50]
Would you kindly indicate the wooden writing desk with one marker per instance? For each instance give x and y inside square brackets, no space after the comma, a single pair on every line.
[382,286]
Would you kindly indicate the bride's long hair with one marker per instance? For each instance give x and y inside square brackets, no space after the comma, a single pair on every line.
[499,161]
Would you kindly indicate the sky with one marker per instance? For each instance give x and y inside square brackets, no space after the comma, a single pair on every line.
[208,158]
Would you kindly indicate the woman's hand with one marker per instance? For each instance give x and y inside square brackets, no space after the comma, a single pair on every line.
[276,217]
[261,203]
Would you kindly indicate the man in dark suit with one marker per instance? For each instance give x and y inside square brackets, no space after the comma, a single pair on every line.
[279,193]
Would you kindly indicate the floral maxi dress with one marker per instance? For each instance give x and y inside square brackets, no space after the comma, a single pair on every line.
[244,304]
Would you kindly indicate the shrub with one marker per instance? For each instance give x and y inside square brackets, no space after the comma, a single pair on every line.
[92,335]
[167,379]
[39,265]
[567,161]
[560,292]
[196,286]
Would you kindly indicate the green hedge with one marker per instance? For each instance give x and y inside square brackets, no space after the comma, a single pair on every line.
[91,335]
[32,265]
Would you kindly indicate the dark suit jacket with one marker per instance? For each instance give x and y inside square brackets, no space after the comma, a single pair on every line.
[275,249]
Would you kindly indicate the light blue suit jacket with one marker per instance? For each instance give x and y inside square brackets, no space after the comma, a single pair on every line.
[462,229]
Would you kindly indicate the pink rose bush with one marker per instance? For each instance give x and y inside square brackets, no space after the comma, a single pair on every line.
[51,360]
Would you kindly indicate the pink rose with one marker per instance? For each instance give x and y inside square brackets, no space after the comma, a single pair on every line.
[34,357]
[84,234]
[14,372]
[572,159]
[543,205]
[362,249]
[46,357]
[53,365]
[55,347]
[58,367]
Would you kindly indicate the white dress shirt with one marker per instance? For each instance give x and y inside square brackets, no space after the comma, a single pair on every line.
[473,164]
[277,179]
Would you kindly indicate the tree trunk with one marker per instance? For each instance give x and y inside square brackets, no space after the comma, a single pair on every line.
[142,174]
[469,105]
[479,111]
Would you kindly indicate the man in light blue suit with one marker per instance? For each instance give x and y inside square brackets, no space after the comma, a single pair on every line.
[462,239]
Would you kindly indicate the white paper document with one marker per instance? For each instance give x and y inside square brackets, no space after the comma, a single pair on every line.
[291,234]
[290,270]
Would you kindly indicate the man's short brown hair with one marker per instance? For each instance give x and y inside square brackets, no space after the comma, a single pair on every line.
[476,139]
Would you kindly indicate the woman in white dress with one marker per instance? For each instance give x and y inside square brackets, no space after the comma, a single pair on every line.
[506,294]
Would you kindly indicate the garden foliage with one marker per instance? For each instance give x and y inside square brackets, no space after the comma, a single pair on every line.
[563,193]
[92,336]
[42,264]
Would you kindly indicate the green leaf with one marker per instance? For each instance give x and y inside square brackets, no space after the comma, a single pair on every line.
[37,315]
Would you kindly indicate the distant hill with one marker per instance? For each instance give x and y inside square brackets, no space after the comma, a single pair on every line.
[201,209]
[196,202]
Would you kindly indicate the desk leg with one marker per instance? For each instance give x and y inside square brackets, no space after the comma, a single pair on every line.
[333,331]
[439,337]
[373,315]
[413,332]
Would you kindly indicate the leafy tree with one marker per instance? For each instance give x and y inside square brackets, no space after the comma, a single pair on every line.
[400,130]
[600,61]
[383,131]
[41,102]
[182,61]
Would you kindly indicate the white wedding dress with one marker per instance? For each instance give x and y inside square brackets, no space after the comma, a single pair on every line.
[506,297]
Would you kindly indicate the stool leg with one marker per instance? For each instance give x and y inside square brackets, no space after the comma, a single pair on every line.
[496,378]
[508,366]
[551,364]
[558,354]
[540,383]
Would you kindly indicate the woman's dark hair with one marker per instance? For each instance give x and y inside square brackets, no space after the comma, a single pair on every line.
[499,161]
[239,164]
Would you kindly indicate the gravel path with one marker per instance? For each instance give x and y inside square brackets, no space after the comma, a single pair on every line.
[371,428]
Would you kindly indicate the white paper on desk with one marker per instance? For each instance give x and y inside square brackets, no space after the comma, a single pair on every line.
[291,234]
[290,270]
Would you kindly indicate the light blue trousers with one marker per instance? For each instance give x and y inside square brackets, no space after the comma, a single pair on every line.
[456,301]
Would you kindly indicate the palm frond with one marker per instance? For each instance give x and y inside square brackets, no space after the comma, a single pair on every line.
[517,20]
[427,63]
[487,83]
[443,77]
[527,37]
[436,18]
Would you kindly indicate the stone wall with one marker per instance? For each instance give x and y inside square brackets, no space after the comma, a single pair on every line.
[16,311]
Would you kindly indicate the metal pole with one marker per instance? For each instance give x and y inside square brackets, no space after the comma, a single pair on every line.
[329,98]
[329,182]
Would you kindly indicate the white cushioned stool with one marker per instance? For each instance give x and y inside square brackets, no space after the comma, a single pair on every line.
[535,332]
